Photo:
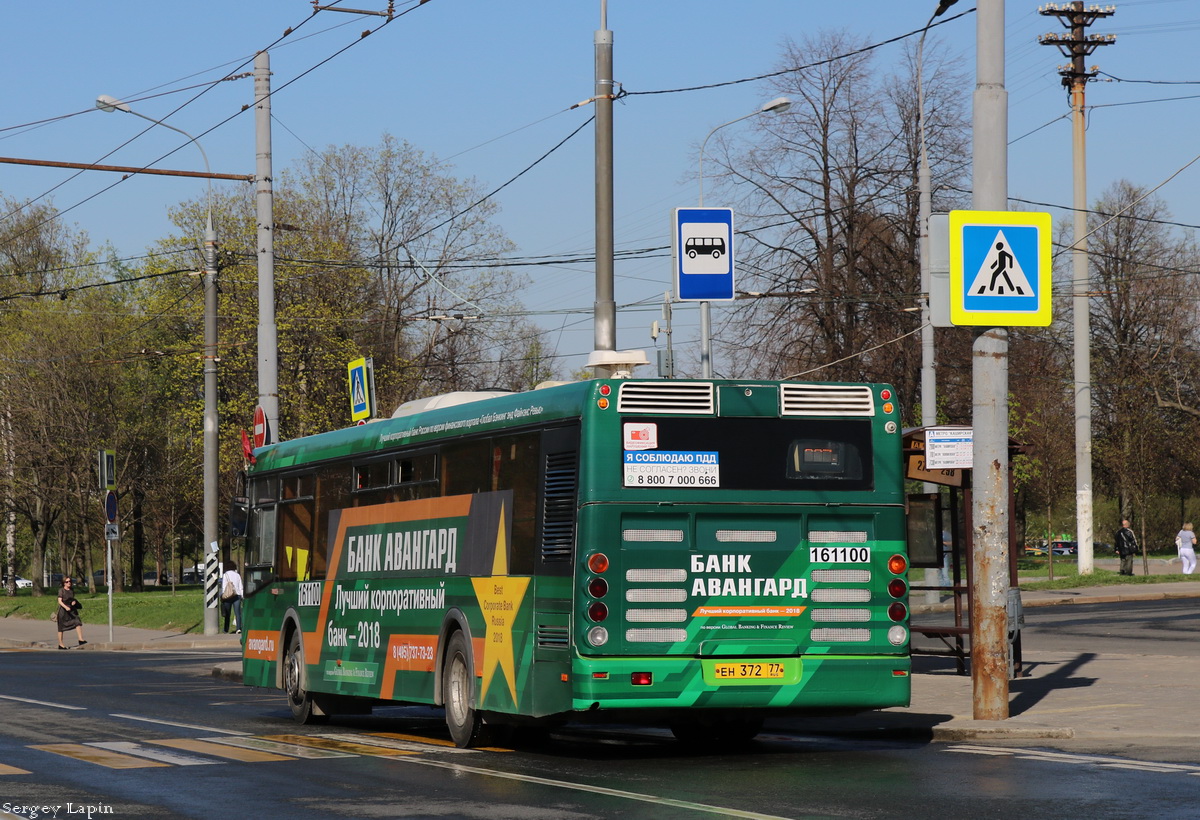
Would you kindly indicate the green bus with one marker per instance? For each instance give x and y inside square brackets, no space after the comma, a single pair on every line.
[702,554]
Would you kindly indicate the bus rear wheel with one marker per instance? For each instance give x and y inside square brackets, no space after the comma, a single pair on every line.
[458,694]
[300,701]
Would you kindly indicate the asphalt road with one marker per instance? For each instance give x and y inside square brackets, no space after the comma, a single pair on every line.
[154,735]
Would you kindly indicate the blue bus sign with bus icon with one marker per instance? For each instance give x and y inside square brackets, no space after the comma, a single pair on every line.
[702,242]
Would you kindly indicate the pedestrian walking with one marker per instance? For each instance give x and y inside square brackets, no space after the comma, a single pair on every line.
[1127,547]
[67,613]
[231,595]
[1185,543]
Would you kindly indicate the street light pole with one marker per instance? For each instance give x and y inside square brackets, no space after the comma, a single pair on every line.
[211,419]
[268,335]
[778,105]
[989,369]
[925,210]
[605,307]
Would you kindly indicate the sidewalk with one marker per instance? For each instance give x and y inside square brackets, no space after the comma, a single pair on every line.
[28,633]
[1111,700]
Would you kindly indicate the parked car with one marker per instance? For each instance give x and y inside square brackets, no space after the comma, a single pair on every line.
[1036,549]
[22,583]
[1064,547]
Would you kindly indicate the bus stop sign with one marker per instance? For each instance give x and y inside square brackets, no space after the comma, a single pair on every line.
[702,240]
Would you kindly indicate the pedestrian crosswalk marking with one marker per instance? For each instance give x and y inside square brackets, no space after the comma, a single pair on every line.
[290,749]
[99,756]
[224,750]
[138,750]
[418,740]
[219,749]
[336,745]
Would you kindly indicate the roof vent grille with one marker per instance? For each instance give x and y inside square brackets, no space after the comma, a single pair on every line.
[826,400]
[695,398]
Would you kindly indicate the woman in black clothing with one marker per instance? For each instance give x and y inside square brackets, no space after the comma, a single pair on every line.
[68,613]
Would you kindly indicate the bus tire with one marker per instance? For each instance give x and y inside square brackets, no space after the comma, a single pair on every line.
[458,693]
[304,711]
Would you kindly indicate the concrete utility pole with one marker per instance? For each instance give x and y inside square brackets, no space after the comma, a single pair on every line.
[605,308]
[268,339]
[989,366]
[1076,46]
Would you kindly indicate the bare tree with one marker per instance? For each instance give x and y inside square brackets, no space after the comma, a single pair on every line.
[829,209]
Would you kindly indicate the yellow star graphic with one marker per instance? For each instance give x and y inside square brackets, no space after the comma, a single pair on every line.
[500,598]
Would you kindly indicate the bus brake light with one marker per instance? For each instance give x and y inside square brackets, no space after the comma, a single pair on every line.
[641,678]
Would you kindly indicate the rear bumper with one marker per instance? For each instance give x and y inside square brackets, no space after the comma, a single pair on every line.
[819,682]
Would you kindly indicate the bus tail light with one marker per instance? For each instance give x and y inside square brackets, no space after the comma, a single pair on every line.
[597,562]
[897,588]
[897,564]
[641,678]
[897,611]
[598,588]
[597,611]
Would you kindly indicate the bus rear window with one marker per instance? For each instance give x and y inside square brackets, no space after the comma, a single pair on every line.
[762,453]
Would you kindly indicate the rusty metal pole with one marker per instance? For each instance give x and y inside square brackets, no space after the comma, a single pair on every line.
[989,364]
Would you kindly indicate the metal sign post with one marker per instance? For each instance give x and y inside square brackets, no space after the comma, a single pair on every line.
[112,533]
[702,239]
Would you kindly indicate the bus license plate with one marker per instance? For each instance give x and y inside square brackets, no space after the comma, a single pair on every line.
[748,671]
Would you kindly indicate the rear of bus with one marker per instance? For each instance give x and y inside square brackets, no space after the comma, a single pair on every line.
[740,552]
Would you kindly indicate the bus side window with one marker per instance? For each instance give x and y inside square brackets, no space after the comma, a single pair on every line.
[332,493]
[515,467]
[296,518]
[467,467]
[260,534]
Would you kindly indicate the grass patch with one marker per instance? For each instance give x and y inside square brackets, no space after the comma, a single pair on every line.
[1069,578]
[182,611]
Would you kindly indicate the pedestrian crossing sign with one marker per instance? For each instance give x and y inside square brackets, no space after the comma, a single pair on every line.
[1000,268]
[359,375]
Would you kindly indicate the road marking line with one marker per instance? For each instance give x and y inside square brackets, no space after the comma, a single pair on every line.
[102,757]
[448,745]
[1068,757]
[428,741]
[334,745]
[45,703]
[1090,708]
[4,769]
[290,749]
[138,750]
[207,747]
[583,787]
[387,740]
[176,725]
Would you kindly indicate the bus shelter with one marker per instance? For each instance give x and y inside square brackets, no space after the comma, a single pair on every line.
[940,537]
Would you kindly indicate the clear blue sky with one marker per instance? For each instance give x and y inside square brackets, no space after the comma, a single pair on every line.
[488,85]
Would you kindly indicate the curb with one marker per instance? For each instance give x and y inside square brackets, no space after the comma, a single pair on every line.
[228,671]
[998,730]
